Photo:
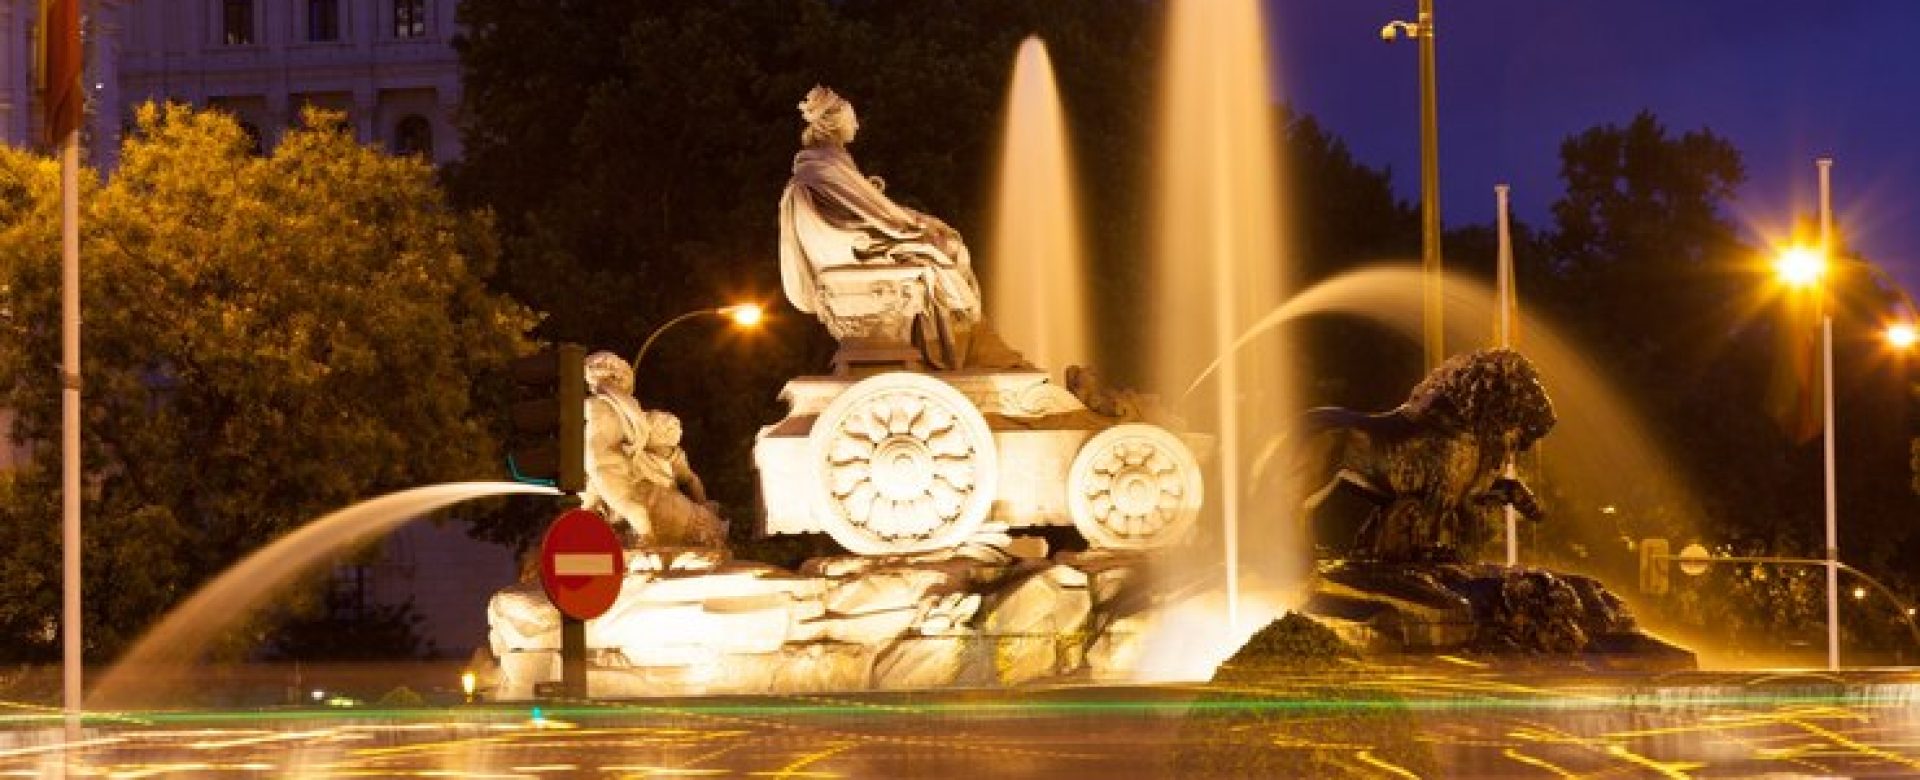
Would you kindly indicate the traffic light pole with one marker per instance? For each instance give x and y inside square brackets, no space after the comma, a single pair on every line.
[573,657]
[549,447]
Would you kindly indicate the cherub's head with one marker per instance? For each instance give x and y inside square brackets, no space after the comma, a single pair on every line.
[663,430]
[830,118]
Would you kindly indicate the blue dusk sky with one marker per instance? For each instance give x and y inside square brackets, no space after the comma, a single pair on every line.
[1784,80]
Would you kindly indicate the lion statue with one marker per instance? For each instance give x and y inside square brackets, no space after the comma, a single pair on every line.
[1432,468]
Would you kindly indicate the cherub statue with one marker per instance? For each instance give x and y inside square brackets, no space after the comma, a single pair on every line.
[635,466]
[833,216]
[1433,467]
[665,464]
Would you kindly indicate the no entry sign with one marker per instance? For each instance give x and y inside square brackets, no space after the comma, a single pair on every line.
[581,564]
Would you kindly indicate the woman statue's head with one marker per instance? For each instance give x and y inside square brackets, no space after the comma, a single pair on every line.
[830,118]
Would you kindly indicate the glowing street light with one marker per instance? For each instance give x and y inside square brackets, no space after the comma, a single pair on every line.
[1902,335]
[1803,267]
[745,315]
[1800,266]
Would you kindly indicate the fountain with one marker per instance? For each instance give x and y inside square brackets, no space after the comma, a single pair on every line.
[931,443]
[928,444]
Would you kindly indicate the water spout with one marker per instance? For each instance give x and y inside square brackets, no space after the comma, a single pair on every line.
[159,659]
[1218,265]
[1037,276]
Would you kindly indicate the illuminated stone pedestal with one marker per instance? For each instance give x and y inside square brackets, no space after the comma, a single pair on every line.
[972,616]
[1525,616]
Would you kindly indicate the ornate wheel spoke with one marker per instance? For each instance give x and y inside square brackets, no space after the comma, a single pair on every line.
[1133,486]
[845,480]
[957,474]
[859,504]
[913,471]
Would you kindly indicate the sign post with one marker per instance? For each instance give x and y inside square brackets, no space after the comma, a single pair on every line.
[581,567]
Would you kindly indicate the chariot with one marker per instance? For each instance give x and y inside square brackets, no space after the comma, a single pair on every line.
[905,461]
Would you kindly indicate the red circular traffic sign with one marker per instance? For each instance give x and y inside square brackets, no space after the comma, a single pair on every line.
[581,564]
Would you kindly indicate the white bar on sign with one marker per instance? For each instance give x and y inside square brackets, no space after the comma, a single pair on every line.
[582,564]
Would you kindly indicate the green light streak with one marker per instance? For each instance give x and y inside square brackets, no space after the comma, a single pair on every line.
[482,715]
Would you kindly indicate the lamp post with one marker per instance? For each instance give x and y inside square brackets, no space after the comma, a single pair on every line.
[745,315]
[1432,332]
[1803,267]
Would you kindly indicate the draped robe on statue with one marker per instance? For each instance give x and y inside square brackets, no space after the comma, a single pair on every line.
[832,216]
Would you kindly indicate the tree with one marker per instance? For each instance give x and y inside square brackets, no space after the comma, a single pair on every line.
[267,338]
[1646,270]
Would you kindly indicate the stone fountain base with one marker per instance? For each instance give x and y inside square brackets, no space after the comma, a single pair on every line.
[1521,616]
[994,611]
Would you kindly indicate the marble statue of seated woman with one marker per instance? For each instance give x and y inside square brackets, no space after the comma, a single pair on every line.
[835,220]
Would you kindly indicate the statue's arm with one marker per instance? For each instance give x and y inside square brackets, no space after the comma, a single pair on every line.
[689,482]
[867,205]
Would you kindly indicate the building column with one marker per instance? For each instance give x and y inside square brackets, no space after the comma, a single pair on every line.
[365,111]
[16,43]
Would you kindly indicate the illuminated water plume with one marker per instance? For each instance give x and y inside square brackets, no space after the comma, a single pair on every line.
[1217,260]
[161,660]
[1037,274]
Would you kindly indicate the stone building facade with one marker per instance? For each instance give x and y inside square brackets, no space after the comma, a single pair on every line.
[389,64]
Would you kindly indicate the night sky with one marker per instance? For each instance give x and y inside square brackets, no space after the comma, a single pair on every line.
[1783,80]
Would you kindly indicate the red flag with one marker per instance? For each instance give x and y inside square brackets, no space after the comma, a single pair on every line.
[1794,394]
[62,94]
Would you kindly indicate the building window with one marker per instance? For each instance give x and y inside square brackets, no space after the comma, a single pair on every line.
[323,20]
[236,22]
[414,135]
[409,18]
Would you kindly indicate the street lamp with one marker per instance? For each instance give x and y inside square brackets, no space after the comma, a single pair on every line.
[745,315]
[1421,29]
[1902,335]
[1804,267]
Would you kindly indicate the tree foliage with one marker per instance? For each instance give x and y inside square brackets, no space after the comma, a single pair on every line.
[266,339]
[1646,269]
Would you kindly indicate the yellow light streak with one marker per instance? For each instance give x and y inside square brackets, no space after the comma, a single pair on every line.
[1538,763]
[1367,757]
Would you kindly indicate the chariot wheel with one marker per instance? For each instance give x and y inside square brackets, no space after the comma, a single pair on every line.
[1134,486]
[902,463]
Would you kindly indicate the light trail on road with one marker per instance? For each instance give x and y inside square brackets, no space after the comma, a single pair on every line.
[1364,724]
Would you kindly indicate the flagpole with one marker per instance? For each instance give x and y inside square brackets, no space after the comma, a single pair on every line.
[70,424]
[63,100]
[1825,165]
[1503,327]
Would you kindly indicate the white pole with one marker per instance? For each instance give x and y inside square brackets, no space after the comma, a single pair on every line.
[70,614]
[1825,165]
[1503,332]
